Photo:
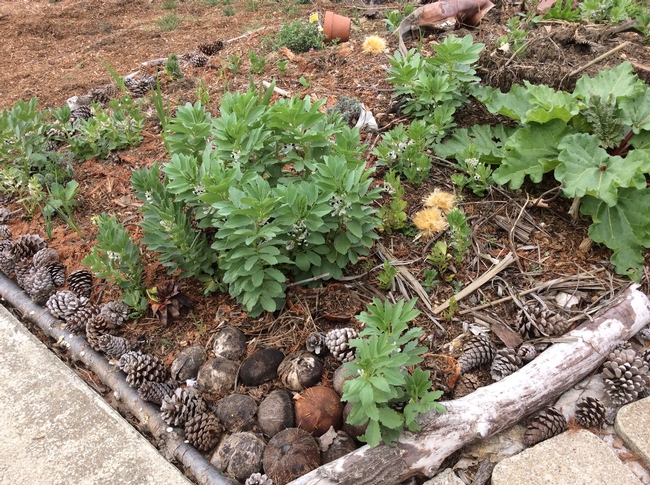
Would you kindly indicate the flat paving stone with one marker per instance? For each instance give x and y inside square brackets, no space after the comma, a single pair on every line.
[57,431]
[633,426]
[572,458]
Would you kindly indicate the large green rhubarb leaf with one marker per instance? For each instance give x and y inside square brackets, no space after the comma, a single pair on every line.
[619,82]
[532,151]
[587,169]
[635,112]
[488,141]
[624,228]
[531,103]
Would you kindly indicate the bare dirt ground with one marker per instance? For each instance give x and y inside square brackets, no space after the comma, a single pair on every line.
[55,50]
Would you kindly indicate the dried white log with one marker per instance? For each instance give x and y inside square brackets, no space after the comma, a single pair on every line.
[493,408]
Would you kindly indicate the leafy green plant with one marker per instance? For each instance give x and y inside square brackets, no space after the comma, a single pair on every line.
[229,11]
[299,37]
[430,279]
[169,5]
[62,201]
[168,229]
[440,257]
[477,174]
[173,68]
[348,108]
[265,223]
[403,151]
[115,128]
[395,17]
[614,11]
[563,10]
[386,275]
[432,88]
[305,82]
[202,93]
[459,234]
[169,22]
[258,63]
[159,104]
[117,259]
[117,79]
[251,5]
[393,217]
[282,67]
[515,38]
[234,63]
[385,348]
[594,140]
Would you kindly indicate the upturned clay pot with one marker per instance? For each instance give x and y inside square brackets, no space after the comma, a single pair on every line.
[336,27]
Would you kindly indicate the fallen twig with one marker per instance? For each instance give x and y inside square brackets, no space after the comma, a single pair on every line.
[487,276]
[599,58]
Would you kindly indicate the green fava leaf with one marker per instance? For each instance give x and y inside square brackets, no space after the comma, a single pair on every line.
[532,151]
[588,169]
[624,228]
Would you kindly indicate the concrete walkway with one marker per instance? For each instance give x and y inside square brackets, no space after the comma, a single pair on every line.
[57,431]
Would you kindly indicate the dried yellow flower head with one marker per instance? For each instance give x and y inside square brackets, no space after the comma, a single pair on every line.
[444,201]
[430,221]
[374,45]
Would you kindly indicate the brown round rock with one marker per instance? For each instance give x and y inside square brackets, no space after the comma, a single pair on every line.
[300,370]
[217,375]
[352,430]
[340,379]
[239,455]
[187,363]
[230,343]
[318,408]
[340,446]
[276,413]
[260,366]
[290,454]
[237,412]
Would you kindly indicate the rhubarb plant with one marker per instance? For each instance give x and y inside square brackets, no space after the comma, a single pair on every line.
[595,141]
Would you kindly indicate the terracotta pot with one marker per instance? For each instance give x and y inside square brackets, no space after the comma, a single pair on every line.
[336,27]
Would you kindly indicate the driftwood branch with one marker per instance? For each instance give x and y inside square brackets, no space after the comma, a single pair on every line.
[493,408]
[173,445]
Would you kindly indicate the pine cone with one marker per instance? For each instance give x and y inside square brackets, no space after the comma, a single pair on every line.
[181,406]
[548,423]
[210,49]
[337,340]
[527,351]
[644,334]
[198,60]
[156,391]
[5,214]
[5,232]
[45,255]
[141,367]
[203,431]
[26,246]
[505,362]
[315,343]
[81,282]
[78,320]
[81,113]
[113,346]
[63,304]
[258,479]
[45,281]
[7,263]
[466,384]
[542,323]
[139,87]
[97,326]
[625,375]
[477,351]
[590,412]
[117,312]
[104,94]
[24,271]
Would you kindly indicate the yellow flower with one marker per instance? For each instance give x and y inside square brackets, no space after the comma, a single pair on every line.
[441,199]
[430,221]
[374,45]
